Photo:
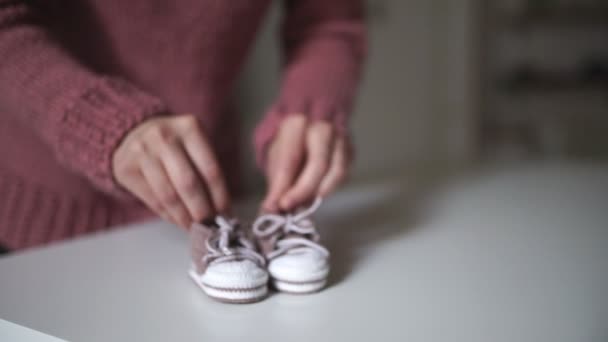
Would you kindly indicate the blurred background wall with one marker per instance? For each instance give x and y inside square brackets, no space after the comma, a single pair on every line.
[545,79]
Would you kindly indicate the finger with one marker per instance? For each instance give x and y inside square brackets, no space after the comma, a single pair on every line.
[138,186]
[186,181]
[337,172]
[203,157]
[285,157]
[318,152]
[161,185]
[131,178]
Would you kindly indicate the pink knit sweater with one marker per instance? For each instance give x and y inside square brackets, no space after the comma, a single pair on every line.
[77,75]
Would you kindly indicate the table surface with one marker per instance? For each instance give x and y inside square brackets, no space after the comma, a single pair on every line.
[504,255]
[13,332]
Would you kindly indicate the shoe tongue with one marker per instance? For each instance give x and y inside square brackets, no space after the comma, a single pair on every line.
[311,237]
[293,235]
[234,237]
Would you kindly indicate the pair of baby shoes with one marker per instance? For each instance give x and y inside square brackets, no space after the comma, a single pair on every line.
[235,264]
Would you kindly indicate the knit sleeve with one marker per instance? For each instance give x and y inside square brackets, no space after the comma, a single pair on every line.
[81,115]
[324,47]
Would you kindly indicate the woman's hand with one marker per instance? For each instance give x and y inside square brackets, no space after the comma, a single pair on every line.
[306,159]
[169,165]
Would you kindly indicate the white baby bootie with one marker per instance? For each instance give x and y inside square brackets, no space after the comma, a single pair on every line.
[226,265]
[297,262]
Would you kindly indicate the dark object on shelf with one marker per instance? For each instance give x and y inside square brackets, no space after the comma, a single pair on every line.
[523,74]
[594,69]
[527,79]
[560,16]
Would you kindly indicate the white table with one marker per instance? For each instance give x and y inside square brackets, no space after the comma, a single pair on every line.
[517,255]
[13,332]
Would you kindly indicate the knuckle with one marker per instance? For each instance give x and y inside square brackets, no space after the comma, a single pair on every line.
[187,121]
[323,165]
[154,131]
[161,133]
[308,189]
[294,119]
[201,212]
[340,177]
[341,174]
[318,167]
[155,206]
[189,184]
[287,168]
[301,192]
[193,131]
[213,174]
[182,216]
[121,178]
[122,171]
[137,147]
[165,216]
[170,198]
[323,127]
[221,204]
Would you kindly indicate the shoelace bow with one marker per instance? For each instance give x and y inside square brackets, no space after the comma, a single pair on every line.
[269,224]
[219,248]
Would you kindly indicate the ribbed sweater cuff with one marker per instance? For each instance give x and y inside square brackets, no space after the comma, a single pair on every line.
[330,110]
[93,123]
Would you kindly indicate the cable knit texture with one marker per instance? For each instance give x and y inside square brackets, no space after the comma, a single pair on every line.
[77,75]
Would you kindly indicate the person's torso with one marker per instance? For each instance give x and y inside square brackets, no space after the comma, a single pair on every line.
[187,52]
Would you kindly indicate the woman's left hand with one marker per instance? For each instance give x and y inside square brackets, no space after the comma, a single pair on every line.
[305,160]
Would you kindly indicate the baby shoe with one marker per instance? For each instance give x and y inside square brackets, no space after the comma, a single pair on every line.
[226,265]
[297,262]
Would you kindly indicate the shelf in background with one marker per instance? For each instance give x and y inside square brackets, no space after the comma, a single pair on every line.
[559,17]
[527,81]
[548,87]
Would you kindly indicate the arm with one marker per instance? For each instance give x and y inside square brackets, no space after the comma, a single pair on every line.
[324,46]
[81,115]
[302,143]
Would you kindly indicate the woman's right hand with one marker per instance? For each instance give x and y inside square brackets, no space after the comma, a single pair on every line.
[168,163]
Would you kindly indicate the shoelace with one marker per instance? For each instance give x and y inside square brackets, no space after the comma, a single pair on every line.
[219,249]
[268,224]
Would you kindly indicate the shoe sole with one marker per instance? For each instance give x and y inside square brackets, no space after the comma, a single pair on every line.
[299,287]
[231,295]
